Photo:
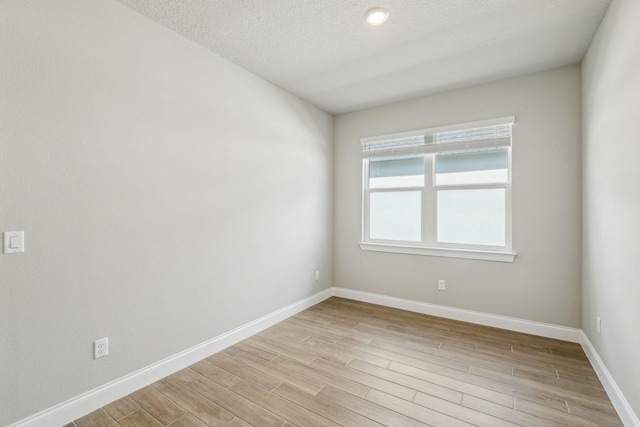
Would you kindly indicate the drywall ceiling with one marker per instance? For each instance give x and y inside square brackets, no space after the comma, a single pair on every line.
[324,52]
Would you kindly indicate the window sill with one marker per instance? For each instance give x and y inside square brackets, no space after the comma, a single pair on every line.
[483,255]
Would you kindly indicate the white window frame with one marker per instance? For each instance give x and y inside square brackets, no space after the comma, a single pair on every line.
[429,244]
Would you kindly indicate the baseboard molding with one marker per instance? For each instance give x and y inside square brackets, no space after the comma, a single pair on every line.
[496,321]
[626,413]
[85,403]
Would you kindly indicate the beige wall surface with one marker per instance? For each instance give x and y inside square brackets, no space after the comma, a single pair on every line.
[167,196]
[611,271]
[543,284]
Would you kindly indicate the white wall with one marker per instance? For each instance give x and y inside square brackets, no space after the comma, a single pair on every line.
[611,269]
[543,284]
[167,196]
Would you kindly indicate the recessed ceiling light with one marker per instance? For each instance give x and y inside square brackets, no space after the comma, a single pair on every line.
[376,16]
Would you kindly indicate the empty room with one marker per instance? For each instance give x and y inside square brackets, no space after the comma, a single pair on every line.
[319,213]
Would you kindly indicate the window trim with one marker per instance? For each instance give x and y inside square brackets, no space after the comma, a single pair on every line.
[483,255]
[429,245]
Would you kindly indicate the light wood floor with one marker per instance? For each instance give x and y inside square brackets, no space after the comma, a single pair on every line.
[347,363]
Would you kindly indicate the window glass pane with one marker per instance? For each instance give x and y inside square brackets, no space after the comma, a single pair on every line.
[397,172]
[472,167]
[395,215]
[473,217]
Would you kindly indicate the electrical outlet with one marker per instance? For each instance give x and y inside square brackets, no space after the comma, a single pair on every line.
[100,348]
[441,285]
[317,274]
[598,324]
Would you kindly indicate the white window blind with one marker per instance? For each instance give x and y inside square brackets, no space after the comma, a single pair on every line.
[476,135]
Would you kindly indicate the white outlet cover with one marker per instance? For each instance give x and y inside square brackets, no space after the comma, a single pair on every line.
[100,348]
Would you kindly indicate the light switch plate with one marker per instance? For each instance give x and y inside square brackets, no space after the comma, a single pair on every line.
[13,242]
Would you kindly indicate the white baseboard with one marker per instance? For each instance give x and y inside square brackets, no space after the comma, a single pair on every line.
[85,403]
[628,417]
[496,321]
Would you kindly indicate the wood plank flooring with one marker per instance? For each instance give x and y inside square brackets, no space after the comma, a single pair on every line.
[346,363]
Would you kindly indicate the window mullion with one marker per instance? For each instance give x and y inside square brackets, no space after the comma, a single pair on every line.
[428,206]
[394,189]
[470,186]
[365,200]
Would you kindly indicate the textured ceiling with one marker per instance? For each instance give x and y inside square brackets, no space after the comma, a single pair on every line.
[324,52]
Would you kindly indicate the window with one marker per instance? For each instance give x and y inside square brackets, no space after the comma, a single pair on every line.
[443,191]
